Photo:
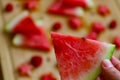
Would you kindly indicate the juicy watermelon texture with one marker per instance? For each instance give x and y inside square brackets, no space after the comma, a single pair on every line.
[81,3]
[37,42]
[26,26]
[77,56]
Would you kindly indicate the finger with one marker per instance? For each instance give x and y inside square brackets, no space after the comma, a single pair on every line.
[116,62]
[109,71]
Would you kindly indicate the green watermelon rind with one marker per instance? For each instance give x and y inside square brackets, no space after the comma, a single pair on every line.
[91,4]
[10,26]
[108,55]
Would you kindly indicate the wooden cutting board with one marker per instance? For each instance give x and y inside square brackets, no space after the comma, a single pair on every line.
[12,56]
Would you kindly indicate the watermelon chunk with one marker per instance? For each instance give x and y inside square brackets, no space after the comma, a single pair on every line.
[58,8]
[48,76]
[80,58]
[25,69]
[9,7]
[39,42]
[22,24]
[30,4]
[81,3]
[75,23]
[103,10]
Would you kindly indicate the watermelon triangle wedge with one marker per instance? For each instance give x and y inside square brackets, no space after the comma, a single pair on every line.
[22,24]
[35,41]
[80,58]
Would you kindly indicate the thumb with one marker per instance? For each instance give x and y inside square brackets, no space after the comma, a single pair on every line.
[109,71]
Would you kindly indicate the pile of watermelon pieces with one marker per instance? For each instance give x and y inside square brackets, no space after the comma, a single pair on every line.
[28,33]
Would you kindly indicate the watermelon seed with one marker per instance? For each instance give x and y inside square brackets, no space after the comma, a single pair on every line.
[83,38]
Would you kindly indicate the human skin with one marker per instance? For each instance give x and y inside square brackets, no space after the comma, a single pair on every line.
[110,69]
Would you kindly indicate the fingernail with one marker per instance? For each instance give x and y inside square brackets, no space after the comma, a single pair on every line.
[98,78]
[107,63]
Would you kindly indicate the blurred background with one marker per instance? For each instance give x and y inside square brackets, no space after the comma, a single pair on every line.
[26,57]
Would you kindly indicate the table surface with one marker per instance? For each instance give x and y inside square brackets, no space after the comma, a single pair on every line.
[10,51]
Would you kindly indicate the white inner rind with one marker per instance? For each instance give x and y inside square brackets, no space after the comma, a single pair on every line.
[90,3]
[17,40]
[79,12]
[10,26]
[39,23]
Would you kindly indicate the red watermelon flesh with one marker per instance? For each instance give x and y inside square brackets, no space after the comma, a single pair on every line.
[80,58]
[31,4]
[38,41]
[22,24]
[81,3]
[58,8]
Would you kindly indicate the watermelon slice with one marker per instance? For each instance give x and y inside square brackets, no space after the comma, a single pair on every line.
[22,24]
[58,8]
[35,41]
[80,58]
[81,3]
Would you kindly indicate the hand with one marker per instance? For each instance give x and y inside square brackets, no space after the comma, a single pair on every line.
[110,70]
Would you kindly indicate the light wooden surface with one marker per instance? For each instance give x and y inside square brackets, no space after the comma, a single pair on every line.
[5,57]
[11,57]
[1,24]
[118,3]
